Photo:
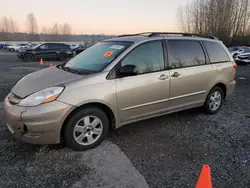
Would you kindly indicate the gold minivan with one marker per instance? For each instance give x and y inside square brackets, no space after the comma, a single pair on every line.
[116,82]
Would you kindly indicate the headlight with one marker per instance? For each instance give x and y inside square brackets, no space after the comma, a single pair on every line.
[41,97]
[22,50]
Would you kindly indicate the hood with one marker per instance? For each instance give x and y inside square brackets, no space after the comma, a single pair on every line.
[28,49]
[42,79]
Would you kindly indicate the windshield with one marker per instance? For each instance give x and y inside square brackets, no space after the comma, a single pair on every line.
[98,56]
[37,45]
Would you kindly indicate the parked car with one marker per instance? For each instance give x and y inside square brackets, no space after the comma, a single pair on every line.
[243,58]
[15,47]
[117,82]
[58,51]
[73,46]
[236,50]
[78,49]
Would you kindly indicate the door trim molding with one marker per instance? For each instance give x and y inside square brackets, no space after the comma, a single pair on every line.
[164,100]
[146,104]
[188,95]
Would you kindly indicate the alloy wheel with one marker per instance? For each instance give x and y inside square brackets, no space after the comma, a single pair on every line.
[88,130]
[215,101]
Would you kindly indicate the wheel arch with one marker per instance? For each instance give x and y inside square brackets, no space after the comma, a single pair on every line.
[106,109]
[29,54]
[222,86]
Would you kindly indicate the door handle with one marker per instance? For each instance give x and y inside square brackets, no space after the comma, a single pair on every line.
[163,77]
[176,74]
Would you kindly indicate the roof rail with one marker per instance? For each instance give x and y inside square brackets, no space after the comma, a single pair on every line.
[156,34]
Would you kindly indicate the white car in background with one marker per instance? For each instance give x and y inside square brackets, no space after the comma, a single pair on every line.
[74,46]
[15,48]
[236,50]
[28,46]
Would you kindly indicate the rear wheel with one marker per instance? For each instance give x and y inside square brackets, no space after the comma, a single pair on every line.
[86,129]
[28,57]
[12,49]
[214,100]
[63,57]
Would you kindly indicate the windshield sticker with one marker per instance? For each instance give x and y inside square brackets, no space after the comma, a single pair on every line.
[117,47]
[107,54]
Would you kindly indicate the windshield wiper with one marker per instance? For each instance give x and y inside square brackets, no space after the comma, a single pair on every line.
[72,70]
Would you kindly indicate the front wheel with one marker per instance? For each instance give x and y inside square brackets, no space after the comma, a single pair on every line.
[28,58]
[214,100]
[86,129]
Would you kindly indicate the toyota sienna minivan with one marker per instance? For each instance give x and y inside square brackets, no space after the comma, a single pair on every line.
[117,82]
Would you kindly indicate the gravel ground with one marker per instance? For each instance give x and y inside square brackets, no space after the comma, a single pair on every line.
[25,165]
[164,152]
[170,151]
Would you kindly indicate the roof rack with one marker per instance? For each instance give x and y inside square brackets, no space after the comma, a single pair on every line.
[157,34]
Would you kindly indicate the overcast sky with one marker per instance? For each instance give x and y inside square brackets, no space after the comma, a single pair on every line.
[97,16]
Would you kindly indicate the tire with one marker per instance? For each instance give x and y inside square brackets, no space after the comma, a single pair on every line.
[28,58]
[214,100]
[62,57]
[87,134]
[12,49]
[234,56]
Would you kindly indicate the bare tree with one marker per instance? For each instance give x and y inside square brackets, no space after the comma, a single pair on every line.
[13,26]
[44,30]
[226,19]
[5,23]
[55,29]
[32,24]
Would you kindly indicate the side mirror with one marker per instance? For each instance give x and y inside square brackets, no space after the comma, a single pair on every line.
[128,70]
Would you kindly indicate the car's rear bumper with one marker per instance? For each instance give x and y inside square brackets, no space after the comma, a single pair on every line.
[37,125]
[230,89]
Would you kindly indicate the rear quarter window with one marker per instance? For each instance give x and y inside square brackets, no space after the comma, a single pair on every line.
[216,52]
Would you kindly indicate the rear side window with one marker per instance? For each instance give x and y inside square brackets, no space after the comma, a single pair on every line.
[185,53]
[65,46]
[58,46]
[216,52]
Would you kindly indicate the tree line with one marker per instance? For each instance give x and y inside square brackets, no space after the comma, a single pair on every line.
[229,20]
[57,32]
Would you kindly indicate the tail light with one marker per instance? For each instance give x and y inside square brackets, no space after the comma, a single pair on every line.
[234,65]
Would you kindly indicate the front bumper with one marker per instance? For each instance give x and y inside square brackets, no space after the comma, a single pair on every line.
[37,125]
[20,55]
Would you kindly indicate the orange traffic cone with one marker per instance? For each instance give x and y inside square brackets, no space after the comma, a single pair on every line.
[204,180]
[50,65]
[41,61]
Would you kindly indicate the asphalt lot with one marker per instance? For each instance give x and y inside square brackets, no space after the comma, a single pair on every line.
[162,152]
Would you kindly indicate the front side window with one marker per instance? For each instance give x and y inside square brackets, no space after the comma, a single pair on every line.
[147,57]
[216,52]
[98,56]
[185,53]
[44,47]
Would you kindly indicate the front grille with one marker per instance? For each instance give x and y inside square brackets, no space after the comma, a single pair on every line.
[14,99]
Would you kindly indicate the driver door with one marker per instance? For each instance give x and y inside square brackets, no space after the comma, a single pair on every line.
[42,51]
[145,94]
